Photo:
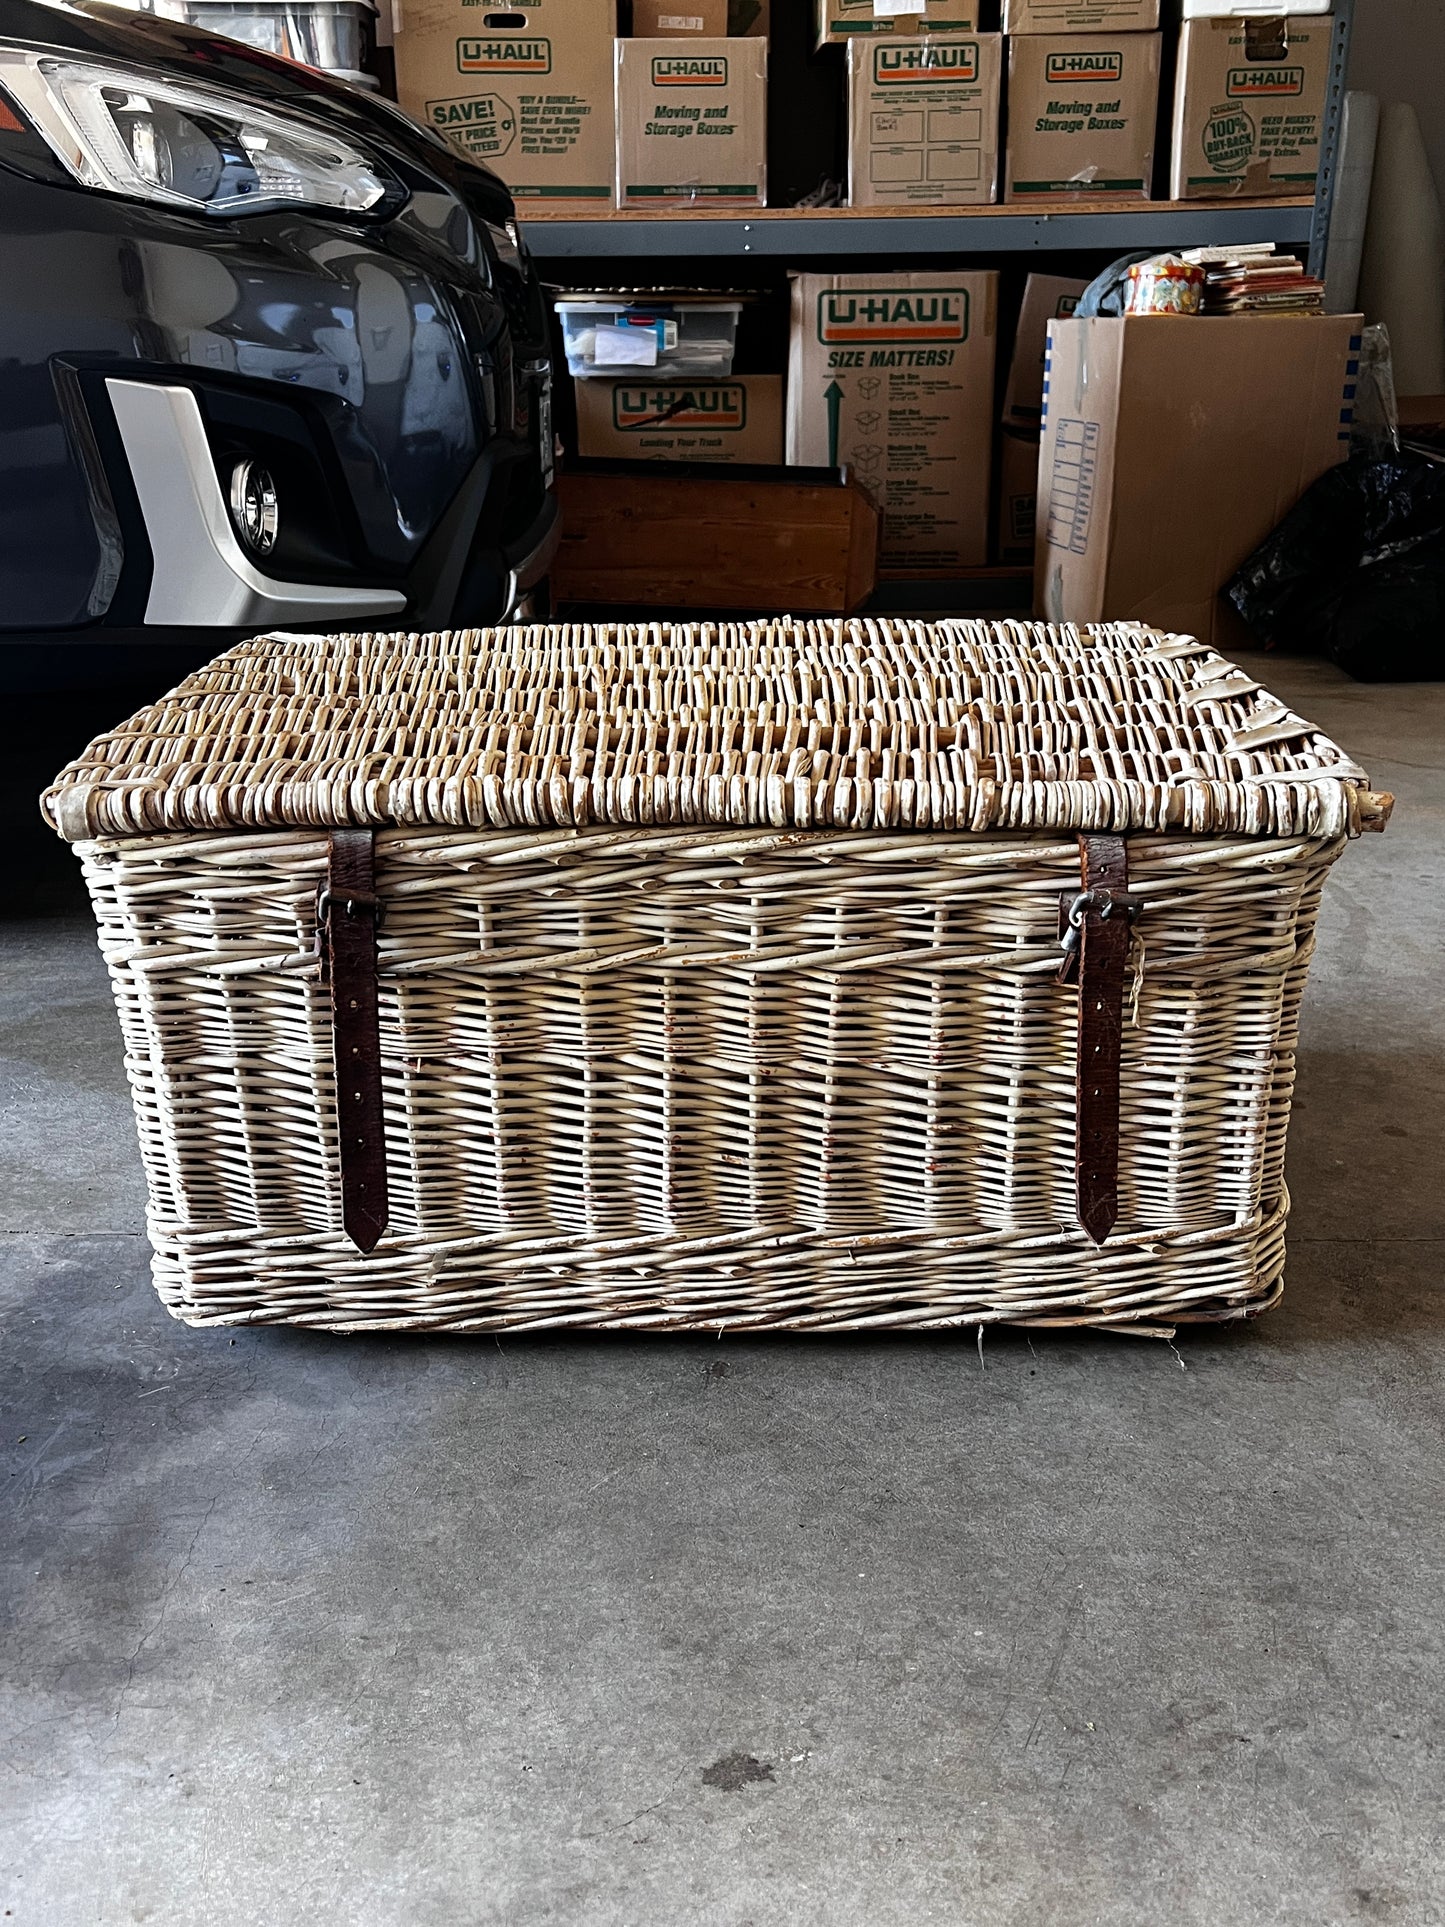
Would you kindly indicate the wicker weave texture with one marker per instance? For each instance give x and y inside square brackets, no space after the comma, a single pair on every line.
[857,725]
[709,1078]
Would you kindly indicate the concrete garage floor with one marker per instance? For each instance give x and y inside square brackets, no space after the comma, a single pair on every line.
[652,1632]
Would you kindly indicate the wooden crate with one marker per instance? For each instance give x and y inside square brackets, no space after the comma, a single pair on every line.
[644,533]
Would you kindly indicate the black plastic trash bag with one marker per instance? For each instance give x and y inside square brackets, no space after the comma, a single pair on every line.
[1356,571]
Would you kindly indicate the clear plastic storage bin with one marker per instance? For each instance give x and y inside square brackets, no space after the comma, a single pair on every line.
[330,34]
[625,337]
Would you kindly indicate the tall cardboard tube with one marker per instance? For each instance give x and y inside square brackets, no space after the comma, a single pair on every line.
[1402,272]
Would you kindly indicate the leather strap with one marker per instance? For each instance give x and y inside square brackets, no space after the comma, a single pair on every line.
[348,912]
[1103,957]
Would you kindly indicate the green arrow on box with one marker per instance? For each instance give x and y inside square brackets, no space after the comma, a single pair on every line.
[833,395]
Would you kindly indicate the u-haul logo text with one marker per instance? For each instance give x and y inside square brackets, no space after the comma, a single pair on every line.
[1251,82]
[722,406]
[678,70]
[1103,67]
[925,62]
[893,314]
[503,56]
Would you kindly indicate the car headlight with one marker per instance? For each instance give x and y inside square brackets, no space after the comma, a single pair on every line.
[123,131]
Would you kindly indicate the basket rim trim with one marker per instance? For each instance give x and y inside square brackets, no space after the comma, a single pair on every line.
[871,724]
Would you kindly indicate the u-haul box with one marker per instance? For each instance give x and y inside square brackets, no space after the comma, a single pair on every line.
[738,420]
[1081,113]
[923,120]
[692,122]
[849,19]
[532,101]
[891,376]
[1249,106]
[1082,16]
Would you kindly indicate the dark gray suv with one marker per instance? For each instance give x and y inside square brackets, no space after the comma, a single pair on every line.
[271,354]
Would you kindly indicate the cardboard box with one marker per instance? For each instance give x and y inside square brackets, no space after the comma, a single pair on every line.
[1171,448]
[1018,482]
[1047,297]
[1207,9]
[740,420]
[670,19]
[692,121]
[847,19]
[1082,16]
[1249,106]
[533,102]
[1081,115]
[892,375]
[923,120]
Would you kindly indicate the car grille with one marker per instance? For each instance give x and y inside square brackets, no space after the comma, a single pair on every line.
[522,299]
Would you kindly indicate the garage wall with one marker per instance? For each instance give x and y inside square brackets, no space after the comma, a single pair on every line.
[1397,51]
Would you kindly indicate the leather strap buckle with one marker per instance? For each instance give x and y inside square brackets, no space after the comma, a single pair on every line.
[348,916]
[1072,912]
[1095,926]
[356,904]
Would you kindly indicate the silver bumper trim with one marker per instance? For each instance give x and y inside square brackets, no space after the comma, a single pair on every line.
[200,578]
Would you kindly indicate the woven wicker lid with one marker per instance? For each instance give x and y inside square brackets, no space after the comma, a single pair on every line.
[868,724]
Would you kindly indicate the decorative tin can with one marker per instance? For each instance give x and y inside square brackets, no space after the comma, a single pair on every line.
[1165,285]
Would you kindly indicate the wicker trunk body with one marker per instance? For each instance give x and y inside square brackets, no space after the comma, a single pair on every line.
[718,973]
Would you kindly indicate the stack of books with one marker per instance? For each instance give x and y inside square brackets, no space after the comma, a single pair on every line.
[1256,280]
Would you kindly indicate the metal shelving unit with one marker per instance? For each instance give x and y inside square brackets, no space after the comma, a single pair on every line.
[815,234]
[1324,201]
[814,237]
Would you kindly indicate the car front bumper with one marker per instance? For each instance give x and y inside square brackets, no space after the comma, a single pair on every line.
[374,369]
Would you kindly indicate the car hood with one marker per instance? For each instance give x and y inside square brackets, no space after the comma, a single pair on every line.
[93,28]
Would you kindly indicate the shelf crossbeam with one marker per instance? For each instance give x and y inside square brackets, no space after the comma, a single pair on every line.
[831,234]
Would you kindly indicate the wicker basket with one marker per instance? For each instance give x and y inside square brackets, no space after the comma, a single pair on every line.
[745,976]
